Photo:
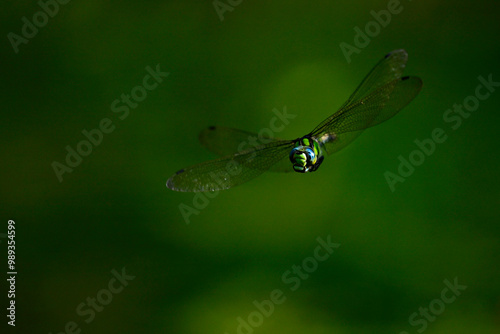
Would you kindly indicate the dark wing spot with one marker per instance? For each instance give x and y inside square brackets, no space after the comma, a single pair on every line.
[405,78]
[211,127]
[180,171]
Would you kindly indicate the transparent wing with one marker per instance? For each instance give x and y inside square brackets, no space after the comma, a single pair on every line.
[345,125]
[230,171]
[388,69]
[225,141]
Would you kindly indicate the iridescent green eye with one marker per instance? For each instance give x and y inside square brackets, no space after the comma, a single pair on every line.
[303,158]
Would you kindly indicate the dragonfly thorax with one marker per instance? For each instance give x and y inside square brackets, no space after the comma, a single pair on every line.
[306,156]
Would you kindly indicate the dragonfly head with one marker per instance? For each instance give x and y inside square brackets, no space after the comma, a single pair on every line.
[306,155]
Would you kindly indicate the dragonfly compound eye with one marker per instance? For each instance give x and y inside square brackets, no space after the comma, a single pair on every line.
[303,158]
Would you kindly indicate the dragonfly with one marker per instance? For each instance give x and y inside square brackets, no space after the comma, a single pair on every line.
[381,95]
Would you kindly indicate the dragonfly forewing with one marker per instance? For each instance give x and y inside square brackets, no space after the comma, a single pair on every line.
[229,171]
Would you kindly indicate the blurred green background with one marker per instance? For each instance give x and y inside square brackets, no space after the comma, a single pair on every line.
[113,210]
